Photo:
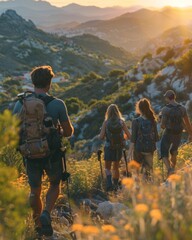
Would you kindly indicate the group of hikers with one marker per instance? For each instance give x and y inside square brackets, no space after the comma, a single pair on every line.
[45,118]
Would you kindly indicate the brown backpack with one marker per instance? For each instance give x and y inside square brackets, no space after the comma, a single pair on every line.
[35,126]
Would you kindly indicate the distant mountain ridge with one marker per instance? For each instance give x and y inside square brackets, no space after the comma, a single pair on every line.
[133,30]
[24,46]
[44,14]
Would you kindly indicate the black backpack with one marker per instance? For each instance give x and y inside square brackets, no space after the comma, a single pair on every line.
[146,139]
[174,119]
[114,132]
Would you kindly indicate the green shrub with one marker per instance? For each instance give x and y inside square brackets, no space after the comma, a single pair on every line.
[185,63]
[91,76]
[160,49]
[13,206]
[116,73]
[74,105]
[147,55]
[148,78]
[169,54]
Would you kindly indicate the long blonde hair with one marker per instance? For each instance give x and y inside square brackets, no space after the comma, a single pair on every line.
[113,112]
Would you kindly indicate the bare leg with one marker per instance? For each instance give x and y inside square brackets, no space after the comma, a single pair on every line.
[109,184]
[36,204]
[116,169]
[148,159]
[51,197]
[166,162]
[173,160]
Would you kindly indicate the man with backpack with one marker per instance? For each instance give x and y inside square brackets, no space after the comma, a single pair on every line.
[174,119]
[42,116]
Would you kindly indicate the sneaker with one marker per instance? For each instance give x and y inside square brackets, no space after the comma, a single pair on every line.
[45,220]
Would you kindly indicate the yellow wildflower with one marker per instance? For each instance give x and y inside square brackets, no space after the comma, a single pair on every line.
[90,230]
[156,214]
[174,178]
[77,227]
[115,237]
[108,228]
[141,208]
[187,162]
[134,165]
[139,196]
[128,182]
[129,228]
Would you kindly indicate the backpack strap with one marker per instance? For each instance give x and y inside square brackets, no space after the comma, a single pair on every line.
[46,99]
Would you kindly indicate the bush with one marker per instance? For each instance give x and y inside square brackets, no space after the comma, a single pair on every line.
[185,63]
[148,78]
[159,50]
[140,88]
[91,76]
[147,55]
[169,54]
[13,205]
[116,73]
[74,105]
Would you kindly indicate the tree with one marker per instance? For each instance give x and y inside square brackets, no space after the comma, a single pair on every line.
[185,63]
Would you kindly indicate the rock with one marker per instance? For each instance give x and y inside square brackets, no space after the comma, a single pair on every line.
[108,209]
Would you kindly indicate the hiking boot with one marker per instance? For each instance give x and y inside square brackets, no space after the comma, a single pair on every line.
[45,220]
[116,184]
[109,185]
[38,232]
[171,171]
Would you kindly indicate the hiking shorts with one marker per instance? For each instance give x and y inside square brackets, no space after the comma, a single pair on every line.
[112,154]
[35,169]
[169,144]
[145,159]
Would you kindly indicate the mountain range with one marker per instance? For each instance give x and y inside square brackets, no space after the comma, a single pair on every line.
[47,16]
[23,46]
[133,31]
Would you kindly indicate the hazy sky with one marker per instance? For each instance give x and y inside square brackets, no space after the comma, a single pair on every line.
[104,3]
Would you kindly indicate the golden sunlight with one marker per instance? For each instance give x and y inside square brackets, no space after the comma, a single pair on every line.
[127,3]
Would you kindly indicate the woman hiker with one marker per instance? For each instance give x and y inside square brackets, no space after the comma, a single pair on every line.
[115,131]
[144,137]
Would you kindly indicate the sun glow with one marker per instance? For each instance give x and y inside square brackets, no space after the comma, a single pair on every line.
[101,3]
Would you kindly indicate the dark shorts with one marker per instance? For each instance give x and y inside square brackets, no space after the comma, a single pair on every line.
[112,155]
[52,167]
[169,144]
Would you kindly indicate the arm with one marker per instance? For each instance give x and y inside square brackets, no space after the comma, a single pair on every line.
[163,119]
[125,129]
[102,133]
[67,128]
[133,138]
[187,124]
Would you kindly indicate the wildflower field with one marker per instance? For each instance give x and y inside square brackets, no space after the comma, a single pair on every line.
[154,211]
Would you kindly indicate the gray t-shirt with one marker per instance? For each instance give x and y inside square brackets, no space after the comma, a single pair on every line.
[165,113]
[56,109]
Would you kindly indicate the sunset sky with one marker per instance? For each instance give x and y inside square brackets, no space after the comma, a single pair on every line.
[104,3]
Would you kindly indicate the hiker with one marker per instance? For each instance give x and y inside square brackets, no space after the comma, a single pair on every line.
[144,136]
[37,162]
[115,131]
[173,120]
